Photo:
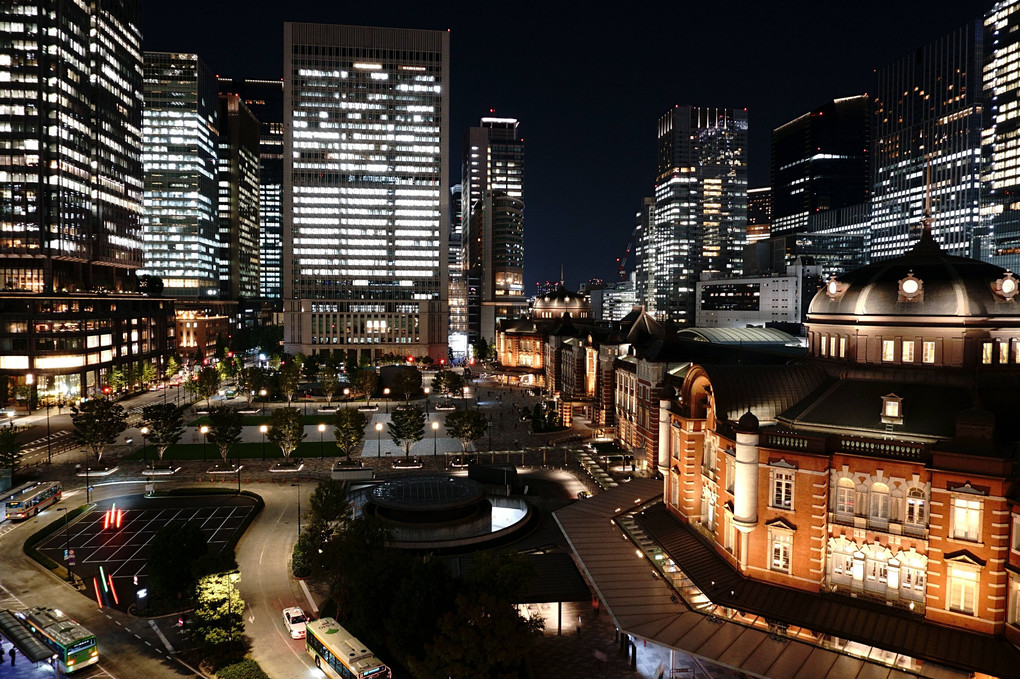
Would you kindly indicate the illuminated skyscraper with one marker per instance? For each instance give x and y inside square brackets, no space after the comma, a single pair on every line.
[265,99]
[366,142]
[238,200]
[699,222]
[1002,136]
[492,180]
[929,112]
[180,134]
[71,200]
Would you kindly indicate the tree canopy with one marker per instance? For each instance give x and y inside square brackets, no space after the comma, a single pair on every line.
[286,429]
[447,382]
[166,425]
[207,383]
[365,381]
[97,424]
[407,427]
[466,426]
[407,382]
[225,427]
[329,381]
[290,374]
[9,449]
[349,430]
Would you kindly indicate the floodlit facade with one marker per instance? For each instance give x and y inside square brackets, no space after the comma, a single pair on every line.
[744,301]
[71,200]
[264,98]
[238,200]
[180,133]
[492,218]
[928,119]
[699,222]
[366,142]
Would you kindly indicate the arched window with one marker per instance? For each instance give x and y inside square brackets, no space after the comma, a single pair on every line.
[916,517]
[879,510]
[846,497]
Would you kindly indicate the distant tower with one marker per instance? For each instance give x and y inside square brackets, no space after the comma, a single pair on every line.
[366,192]
[928,107]
[492,211]
[264,98]
[180,133]
[238,200]
[700,218]
[1002,137]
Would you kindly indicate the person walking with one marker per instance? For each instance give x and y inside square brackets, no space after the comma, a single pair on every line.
[12,653]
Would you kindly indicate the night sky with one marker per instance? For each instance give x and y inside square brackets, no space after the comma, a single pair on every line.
[589,84]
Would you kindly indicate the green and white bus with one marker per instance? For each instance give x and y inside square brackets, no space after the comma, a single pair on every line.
[338,654]
[73,645]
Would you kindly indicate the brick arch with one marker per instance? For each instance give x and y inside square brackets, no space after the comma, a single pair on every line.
[697,393]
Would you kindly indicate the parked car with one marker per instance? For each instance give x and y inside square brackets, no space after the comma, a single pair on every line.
[294,620]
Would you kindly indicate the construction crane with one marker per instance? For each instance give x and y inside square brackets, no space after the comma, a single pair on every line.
[621,262]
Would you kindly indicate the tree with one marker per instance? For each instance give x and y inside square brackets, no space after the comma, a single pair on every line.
[219,609]
[407,427]
[481,349]
[484,637]
[207,383]
[447,382]
[151,286]
[225,426]
[309,367]
[349,430]
[97,424]
[466,425]
[148,373]
[251,381]
[290,373]
[166,425]
[329,380]
[365,381]
[173,366]
[9,449]
[116,379]
[407,382]
[135,376]
[175,548]
[287,429]
[328,503]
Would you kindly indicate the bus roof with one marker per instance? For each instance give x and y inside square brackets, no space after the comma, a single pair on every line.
[55,624]
[343,644]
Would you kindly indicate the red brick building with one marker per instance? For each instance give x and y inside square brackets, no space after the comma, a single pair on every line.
[876,476]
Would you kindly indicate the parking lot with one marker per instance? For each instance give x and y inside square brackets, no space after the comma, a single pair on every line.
[122,551]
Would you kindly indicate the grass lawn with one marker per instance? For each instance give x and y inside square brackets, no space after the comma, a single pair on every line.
[312,418]
[242,451]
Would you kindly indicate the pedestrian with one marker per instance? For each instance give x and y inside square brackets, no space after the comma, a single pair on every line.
[11,653]
[660,671]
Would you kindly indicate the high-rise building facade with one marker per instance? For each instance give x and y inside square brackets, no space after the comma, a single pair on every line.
[759,214]
[928,119]
[71,199]
[366,142]
[492,218]
[238,200]
[1001,200]
[700,219]
[264,98]
[820,161]
[458,278]
[180,133]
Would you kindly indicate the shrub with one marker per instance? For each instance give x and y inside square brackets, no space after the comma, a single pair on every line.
[246,669]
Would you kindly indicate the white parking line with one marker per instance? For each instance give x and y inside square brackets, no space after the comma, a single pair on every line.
[162,638]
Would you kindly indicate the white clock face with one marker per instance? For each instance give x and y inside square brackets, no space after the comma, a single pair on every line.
[910,286]
[1008,286]
[833,288]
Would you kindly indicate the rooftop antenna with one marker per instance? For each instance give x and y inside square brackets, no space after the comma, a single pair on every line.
[561,274]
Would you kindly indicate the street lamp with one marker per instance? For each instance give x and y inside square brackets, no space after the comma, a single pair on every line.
[465,397]
[205,439]
[145,432]
[322,428]
[262,393]
[347,396]
[426,390]
[435,430]
[298,486]
[263,429]
[386,393]
[378,439]
[49,442]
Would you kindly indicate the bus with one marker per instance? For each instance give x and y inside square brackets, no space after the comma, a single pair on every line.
[338,654]
[73,645]
[34,500]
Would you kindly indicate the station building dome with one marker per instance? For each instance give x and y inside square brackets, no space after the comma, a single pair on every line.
[559,303]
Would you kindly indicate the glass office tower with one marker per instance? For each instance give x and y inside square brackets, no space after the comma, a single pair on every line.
[492,180]
[699,222]
[366,142]
[928,113]
[1002,134]
[238,200]
[180,133]
[71,200]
